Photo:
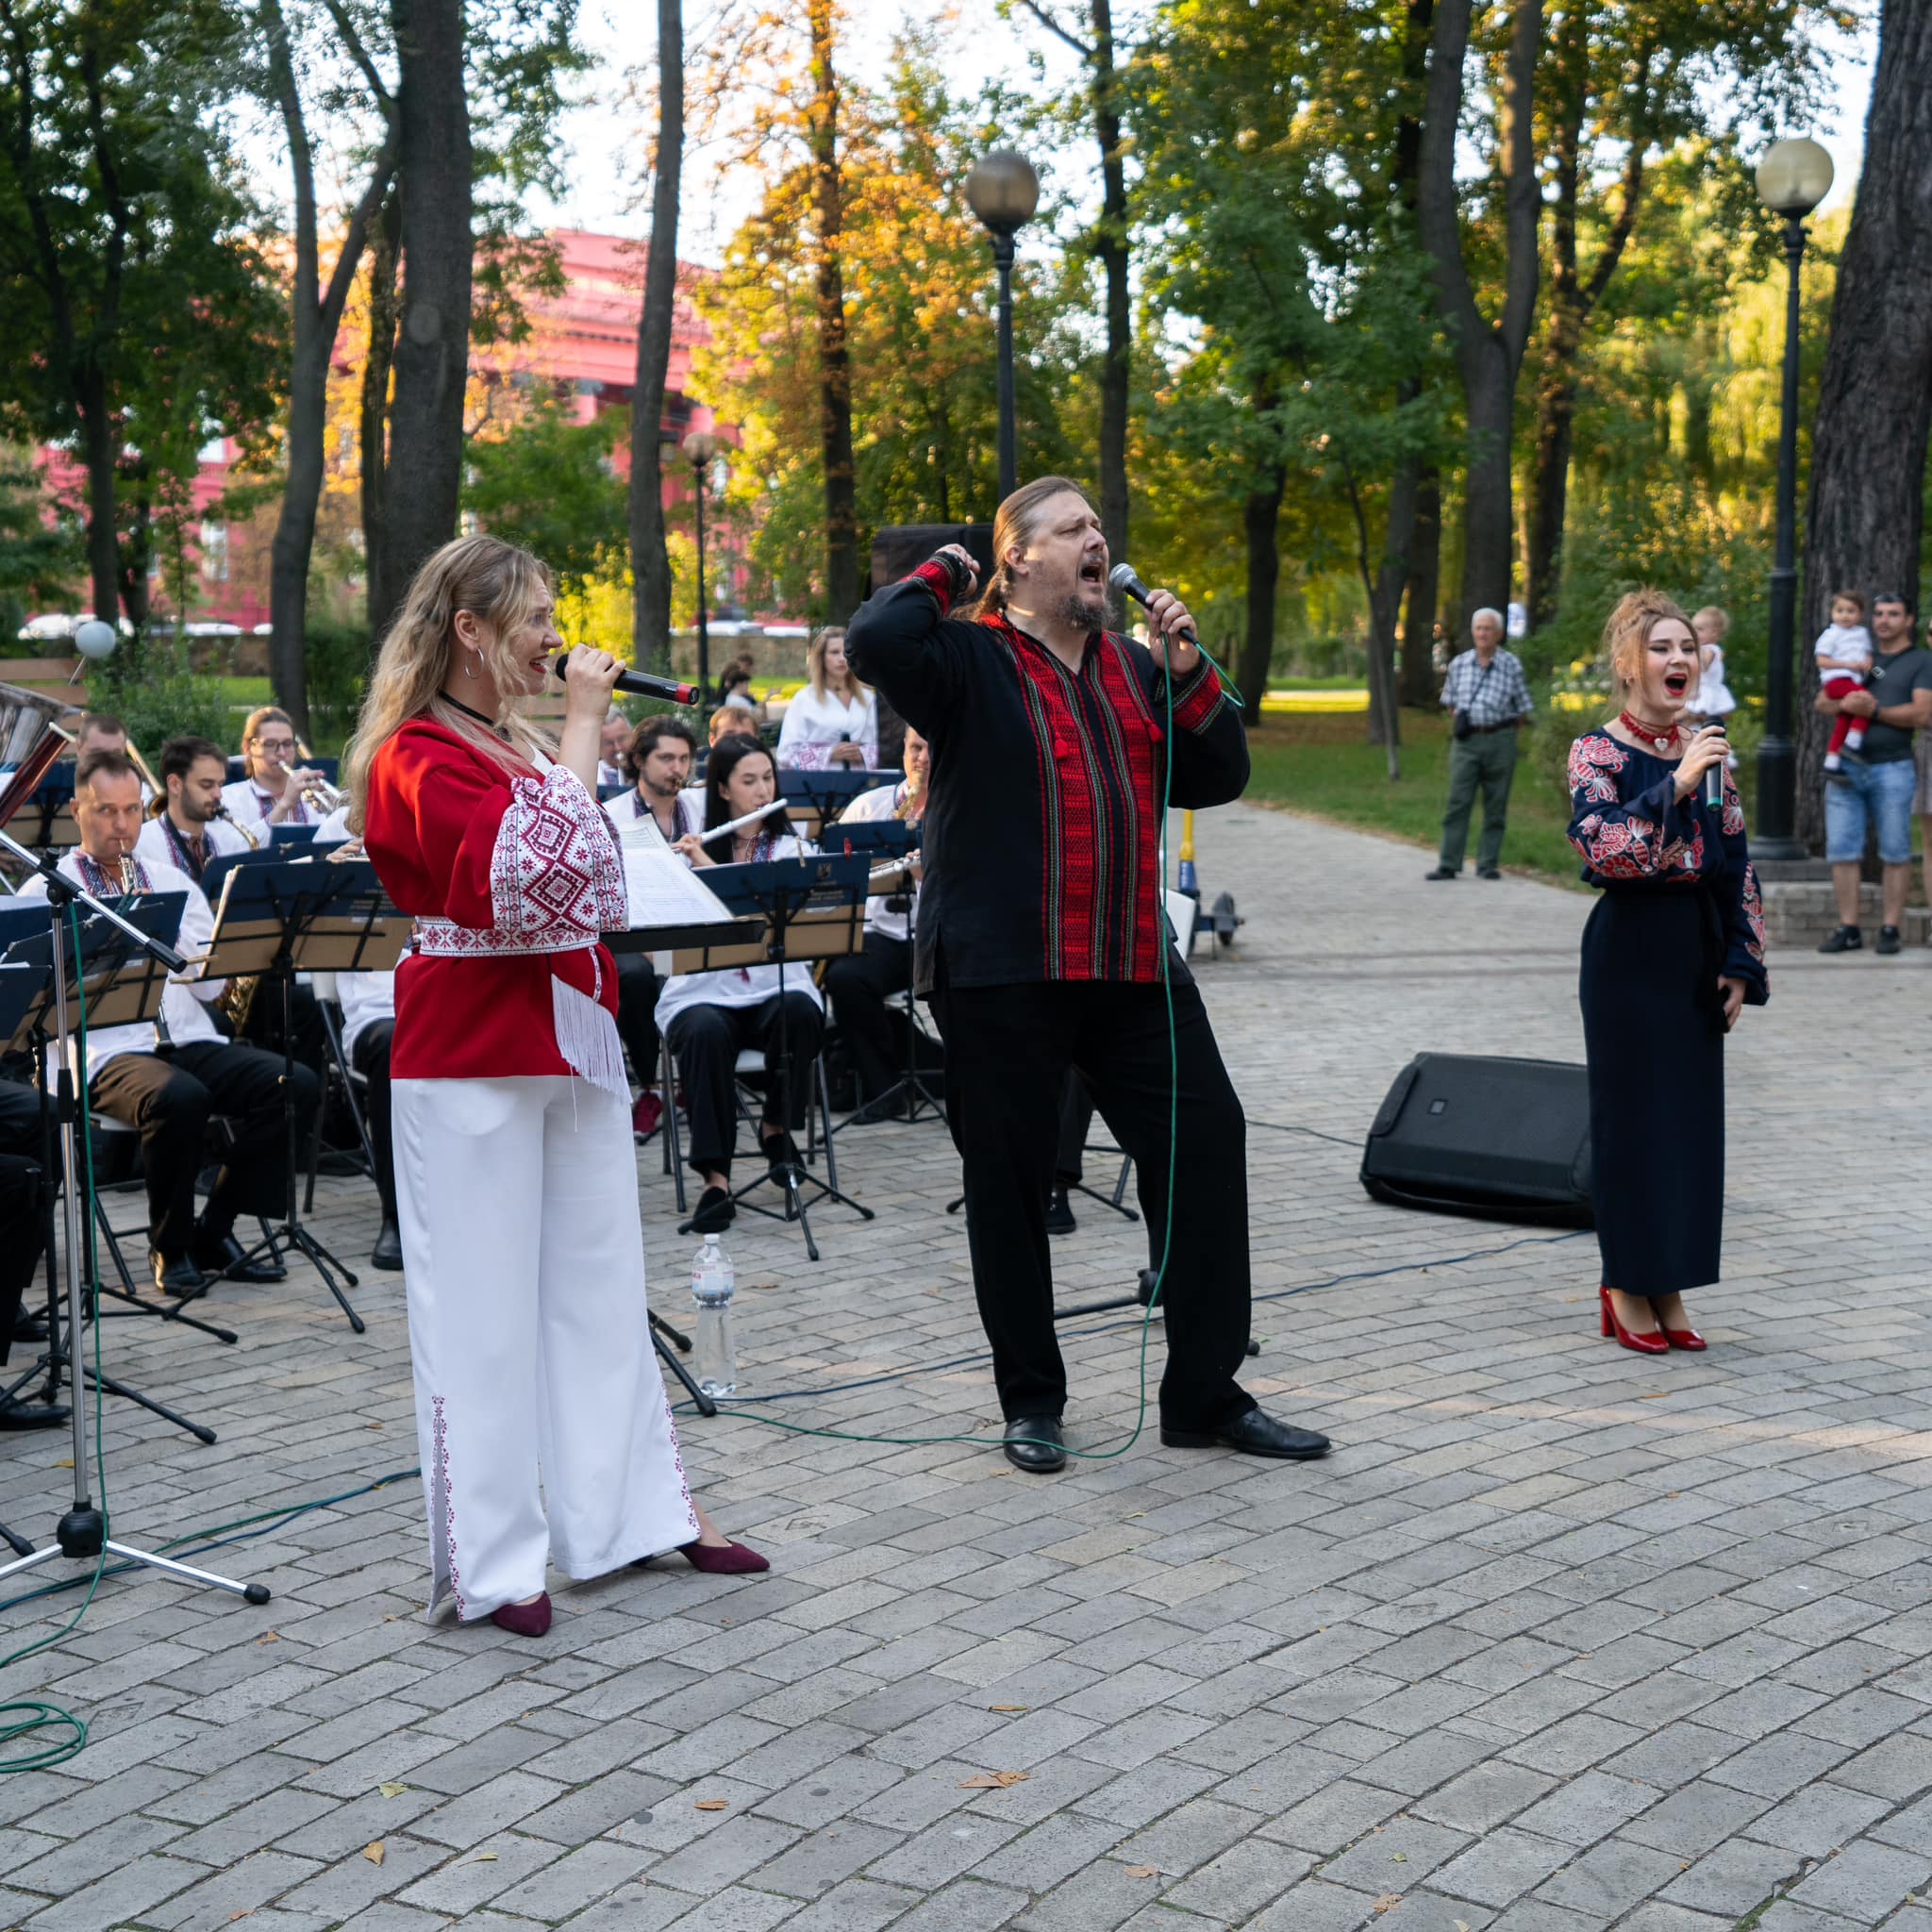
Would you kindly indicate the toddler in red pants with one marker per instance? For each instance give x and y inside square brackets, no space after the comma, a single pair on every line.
[1844,656]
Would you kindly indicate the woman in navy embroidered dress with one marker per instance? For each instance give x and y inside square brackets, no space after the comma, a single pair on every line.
[1673,952]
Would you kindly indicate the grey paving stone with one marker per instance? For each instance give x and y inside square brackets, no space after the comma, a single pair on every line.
[1865,1881]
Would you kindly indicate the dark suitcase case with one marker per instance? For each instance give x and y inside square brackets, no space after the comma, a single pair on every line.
[1504,1140]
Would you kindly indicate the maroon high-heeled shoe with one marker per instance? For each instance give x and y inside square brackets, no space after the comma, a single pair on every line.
[524,1620]
[734,1559]
[1641,1344]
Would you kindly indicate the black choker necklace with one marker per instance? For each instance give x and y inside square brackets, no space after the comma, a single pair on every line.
[489,724]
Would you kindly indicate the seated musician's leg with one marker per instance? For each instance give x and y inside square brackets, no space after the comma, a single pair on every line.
[800,1037]
[169,1108]
[370,1057]
[858,987]
[638,987]
[704,1041]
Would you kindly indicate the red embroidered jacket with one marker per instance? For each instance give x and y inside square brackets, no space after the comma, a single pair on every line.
[1042,833]
[511,880]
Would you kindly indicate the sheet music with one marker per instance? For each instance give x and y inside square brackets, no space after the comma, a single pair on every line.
[664,891]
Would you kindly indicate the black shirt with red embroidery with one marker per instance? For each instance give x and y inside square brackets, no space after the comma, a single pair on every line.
[1042,827]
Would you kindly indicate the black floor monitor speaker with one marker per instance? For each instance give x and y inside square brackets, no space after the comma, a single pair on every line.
[1504,1140]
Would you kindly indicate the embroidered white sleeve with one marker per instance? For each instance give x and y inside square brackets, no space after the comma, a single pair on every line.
[556,873]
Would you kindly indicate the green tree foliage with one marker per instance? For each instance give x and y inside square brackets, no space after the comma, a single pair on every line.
[141,309]
[39,551]
[549,483]
[919,293]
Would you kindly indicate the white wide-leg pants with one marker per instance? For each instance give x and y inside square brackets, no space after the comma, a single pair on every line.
[525,1268]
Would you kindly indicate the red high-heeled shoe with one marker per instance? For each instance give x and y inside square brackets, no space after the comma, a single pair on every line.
[1683,1338]
[1642,1344]
[524,1620]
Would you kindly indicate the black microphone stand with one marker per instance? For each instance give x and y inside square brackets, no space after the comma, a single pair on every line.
[81,1534]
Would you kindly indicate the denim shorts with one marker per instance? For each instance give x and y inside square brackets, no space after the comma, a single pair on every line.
[1884,792]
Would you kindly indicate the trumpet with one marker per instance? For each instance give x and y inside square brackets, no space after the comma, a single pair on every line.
[324,796]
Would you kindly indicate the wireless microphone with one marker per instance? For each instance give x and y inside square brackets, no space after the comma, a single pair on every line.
[1125,579]
[1714,779]
[640,684]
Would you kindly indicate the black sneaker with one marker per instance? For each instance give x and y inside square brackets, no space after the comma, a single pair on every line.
[1442,871]
[1889,940]
[1059,1213]
[1847,938]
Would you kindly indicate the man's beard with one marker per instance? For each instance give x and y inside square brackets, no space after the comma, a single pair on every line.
[1083,612]
[198,813]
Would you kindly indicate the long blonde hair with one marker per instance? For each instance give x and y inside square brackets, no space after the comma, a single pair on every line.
[1627,631]
[1016,523]
[815,663]
[497,583]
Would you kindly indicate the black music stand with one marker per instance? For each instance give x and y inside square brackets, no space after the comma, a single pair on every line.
[81,1533]
[825,793]
[669,938]
[813,909]
[278,916]
[880,839]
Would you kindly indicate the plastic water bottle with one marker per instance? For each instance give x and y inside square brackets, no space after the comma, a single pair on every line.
[714,1350]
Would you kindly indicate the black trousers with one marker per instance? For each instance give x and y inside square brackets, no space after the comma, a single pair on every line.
[168,1097]
[858,987]
[23,1202]
[1076,1116]
[370,1058]
[1008,1049]
[707,1042]
[638,987]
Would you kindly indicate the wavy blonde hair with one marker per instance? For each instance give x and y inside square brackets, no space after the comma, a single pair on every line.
[497,583]
[815,662]
[1627,631]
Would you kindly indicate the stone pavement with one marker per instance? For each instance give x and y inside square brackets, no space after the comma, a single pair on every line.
[1558,1639]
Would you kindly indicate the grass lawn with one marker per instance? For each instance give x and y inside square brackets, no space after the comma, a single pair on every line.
[1321,766]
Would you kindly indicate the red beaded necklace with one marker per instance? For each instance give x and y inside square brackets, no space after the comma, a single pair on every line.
[1637,728]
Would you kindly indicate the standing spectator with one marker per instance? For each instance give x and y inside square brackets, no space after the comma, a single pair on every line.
[1487,697]
[1711,702]
[833,721]
[1879,785]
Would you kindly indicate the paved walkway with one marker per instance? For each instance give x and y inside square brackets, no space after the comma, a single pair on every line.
[1559,1639]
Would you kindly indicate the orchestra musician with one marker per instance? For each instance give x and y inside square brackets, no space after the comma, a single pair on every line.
[541,1415]
[860,984]
[272,793]
[613,746]
[23,1227]
[1043,943]
[834,720]
[368,1001]
[729,719]
[166,1082]
[660,754]
[192,826]
[710,1017]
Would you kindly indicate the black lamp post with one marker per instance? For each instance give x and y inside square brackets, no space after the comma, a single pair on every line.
[699,448]
[1792,178]
[1003,191]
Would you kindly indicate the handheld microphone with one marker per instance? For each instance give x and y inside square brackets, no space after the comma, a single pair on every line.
[640,684]
[1125,579]
[1714,779]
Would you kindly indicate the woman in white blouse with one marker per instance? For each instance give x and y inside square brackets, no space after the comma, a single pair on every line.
[835,719]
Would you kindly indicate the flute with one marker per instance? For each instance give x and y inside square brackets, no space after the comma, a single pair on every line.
[751,818]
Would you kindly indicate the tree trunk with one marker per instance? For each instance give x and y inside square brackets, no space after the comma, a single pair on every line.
[316,315]
[1488,355]
[1419,598]
[1110,245]
[1875,396]
[432,358]
[98,453]
[372,435]
[1262,521]
[835,360]
[650,562]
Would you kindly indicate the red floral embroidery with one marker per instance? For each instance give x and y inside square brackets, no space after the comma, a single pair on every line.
[442,1509]
[1754,914]
[1734,810]
[1592,759]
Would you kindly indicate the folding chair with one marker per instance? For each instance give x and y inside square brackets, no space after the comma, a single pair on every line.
[339,1075]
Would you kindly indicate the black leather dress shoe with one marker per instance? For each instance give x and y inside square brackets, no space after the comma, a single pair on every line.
[388,1252]
[223,1255]
[16,1415]
[1059,1213]
[780,1152]
[1034,1443]
[715,1211]
[1253,1434]
[1442,871]
[178,1278]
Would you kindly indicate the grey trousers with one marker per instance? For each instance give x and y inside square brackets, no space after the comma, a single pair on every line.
[1487,760]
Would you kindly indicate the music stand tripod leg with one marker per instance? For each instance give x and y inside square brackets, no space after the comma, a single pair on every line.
[81,1534]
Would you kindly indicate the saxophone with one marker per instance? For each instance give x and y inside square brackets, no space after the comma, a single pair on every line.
[236,1000]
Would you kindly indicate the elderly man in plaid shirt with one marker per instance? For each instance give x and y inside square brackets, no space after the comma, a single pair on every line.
[1487,697]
